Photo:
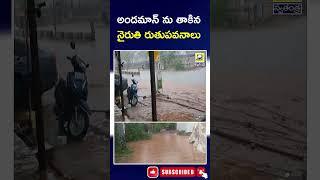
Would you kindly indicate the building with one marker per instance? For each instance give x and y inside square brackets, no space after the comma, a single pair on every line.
[186,127]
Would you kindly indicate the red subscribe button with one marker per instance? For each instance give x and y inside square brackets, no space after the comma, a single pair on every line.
[177,172]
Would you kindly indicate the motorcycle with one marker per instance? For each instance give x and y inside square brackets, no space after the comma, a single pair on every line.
[71,95]
[132,93]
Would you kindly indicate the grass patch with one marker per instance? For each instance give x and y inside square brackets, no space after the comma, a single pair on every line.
[122,153]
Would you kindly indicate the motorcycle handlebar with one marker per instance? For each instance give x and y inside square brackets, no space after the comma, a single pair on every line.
[86,64]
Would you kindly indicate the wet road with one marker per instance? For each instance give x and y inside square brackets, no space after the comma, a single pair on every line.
[266,67]
[182,97]
[92,149]
[95,53]
[166,147]
[174,82]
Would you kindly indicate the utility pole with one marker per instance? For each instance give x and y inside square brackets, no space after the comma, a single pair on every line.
[153,86]
[36,86]
[54,18]
[28,63]
[93,31]
[120,89]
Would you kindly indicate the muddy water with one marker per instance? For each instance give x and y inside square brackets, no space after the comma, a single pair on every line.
[182,87]
[166,147]
[173,81]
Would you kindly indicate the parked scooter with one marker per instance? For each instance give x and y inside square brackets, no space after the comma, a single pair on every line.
[132,92]
[71,95]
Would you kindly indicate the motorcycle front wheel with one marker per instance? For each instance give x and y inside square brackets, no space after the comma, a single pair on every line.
[78,125]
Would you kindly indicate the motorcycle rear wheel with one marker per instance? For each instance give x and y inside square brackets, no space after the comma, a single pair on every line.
[134,101]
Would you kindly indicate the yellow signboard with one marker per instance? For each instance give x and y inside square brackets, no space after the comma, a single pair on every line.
[200,57]
[156,56]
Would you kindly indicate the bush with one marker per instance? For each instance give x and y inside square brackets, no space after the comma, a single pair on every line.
[136,132]
[167,126]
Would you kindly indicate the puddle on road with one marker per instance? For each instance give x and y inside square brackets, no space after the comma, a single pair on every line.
[166,147]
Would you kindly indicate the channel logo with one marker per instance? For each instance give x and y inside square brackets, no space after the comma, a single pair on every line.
[199,57]
[287,7]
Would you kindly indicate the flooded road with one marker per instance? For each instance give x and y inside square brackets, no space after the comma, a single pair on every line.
[182,97]
[166,147]
[174,82]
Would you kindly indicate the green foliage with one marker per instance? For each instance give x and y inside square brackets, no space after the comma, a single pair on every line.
[172,126]
[136,132]
[134,56]
[166,57]
[139,131]
[179,66]
[159,84]
[156,128]
[171,61]
[120,153]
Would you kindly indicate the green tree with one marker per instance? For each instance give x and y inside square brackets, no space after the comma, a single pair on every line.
[179,66]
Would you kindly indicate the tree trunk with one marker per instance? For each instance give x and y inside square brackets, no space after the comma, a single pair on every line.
[120,132]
